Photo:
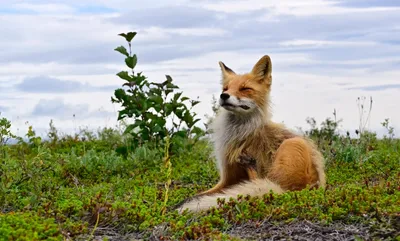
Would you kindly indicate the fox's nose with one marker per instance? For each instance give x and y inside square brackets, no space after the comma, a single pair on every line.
[224,96]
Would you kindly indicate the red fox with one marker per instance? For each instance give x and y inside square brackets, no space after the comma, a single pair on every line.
[254,154]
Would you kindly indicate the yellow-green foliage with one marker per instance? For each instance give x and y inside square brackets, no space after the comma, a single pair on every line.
[28,226]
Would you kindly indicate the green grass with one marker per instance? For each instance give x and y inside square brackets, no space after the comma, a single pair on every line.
[73,188]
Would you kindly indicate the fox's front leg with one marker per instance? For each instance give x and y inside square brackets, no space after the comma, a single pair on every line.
[249,163]
[216,189]
[234,173]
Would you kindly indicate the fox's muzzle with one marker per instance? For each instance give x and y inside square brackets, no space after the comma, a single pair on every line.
[224,96]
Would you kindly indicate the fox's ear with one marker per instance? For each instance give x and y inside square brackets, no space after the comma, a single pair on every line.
[225,70]
[263,69]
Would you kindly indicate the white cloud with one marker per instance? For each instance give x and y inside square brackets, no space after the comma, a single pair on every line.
[235,60]
[324,54]
[290,7]
[324,43]
[44,8]
[16,71]
[275,6]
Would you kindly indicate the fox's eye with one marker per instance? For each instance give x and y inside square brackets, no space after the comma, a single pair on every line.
[225,89]
[245,88]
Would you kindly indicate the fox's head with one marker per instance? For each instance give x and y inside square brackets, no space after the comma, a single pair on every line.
[247,93]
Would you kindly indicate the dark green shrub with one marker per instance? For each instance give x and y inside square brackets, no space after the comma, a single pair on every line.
[151,104]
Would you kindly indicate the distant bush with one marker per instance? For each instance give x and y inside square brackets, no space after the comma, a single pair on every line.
[5,131]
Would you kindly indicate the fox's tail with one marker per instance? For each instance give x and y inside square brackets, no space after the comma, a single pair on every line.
[257,187]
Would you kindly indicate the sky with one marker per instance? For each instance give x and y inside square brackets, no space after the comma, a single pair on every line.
[58,61]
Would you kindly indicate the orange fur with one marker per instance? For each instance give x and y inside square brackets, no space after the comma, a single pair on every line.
[284,161]
[252,174]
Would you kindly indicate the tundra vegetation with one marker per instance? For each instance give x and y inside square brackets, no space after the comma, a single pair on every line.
[122,183]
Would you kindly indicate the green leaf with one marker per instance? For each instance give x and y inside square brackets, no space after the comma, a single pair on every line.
[160,121]
[158,128]
[125,76]
[145,134]
[128,36]
[195,102]
[198,131]
[192,123]
[168,108]
[167,92]
[155,91]
[172,86]
[120,94]
[188,118]
[169,79]
[131,61]
[177,95]
[130,127]
[144,104]
[179,113]
[184,98]
[121,114]
[156,98]
[113,100]
[181,133]
[157,107]
[122,50]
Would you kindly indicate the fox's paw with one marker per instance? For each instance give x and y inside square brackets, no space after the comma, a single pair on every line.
[247,161]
